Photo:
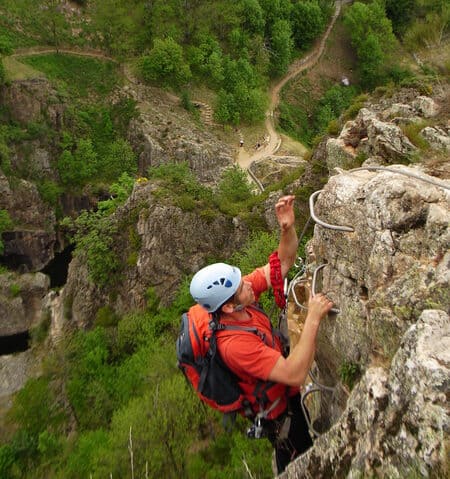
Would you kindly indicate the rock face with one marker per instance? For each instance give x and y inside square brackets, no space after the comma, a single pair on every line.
[172,244]
[33,101]
[30,244]
[379,131]
[165,132]
[22,299]
[396,421]
[390,280]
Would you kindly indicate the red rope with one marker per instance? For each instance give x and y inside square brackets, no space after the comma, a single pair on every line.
[276,279]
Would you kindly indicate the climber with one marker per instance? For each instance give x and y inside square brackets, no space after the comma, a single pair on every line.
[257,359]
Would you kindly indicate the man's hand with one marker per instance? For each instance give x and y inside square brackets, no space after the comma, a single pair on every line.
[318,307]
[284,210]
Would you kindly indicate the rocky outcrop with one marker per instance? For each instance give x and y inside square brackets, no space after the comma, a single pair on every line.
[29,246]
[161,140]
[22,298]
[166,132]
[33,101]
[396,421]
[390,281]
[171,244]
[378,131]
[273,169]
[15,370]
[438,138]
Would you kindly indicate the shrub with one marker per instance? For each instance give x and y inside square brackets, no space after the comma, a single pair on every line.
[412,131]
[49,191]
[349,373]
[40,332]
[165,64]
[2,73]
[14,290]
[106,317]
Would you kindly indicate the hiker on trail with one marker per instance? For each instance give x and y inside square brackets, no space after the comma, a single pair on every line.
[257,359]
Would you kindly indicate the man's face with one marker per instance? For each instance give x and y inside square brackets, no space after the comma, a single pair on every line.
[244,294]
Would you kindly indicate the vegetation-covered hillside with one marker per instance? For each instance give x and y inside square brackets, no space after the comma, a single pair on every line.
[110,398]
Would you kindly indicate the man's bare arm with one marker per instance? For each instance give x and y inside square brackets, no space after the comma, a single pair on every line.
[294,369]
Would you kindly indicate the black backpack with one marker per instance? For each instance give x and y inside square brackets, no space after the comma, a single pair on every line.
[203,367]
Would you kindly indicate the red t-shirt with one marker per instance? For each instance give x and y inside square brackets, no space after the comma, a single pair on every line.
[249,356]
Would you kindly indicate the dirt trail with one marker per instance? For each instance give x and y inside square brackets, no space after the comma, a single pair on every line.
[273,140]
[245,158]
[21,52]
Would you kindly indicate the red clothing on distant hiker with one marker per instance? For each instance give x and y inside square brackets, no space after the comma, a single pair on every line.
[249,356]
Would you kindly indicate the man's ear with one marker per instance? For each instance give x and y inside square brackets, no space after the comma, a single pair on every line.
[227,308]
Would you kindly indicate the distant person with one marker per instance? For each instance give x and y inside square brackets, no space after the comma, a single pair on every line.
[241,143]
[257,359]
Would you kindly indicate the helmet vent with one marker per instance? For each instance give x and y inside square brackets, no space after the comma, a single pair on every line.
[221,282]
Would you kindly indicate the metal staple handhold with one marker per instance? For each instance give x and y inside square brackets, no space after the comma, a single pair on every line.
[313,284]
[322,223]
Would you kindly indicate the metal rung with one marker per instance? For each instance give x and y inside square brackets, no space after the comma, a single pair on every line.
[313,284]
[322,223]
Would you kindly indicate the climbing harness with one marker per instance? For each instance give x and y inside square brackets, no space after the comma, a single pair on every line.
[255,431]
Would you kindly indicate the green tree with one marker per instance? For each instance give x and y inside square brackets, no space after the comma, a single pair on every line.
[6,47]
[87,455]
[307,22]
[165,64]
[234,186]
[275,10]
[53,24]
[282,46]
[2,73]
[372,68]
[224,111]
[160,429]
[77,168]
[371,34]
[120,26]
[401,12]
[90,384]
[253,16]
[35,408]
[206,59]
[117,159]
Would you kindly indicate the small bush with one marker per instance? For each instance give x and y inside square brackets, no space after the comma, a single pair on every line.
[349,373]
[412,131]
[106,317]
[14,290]
[333,127]
[40,332]
[50,191]
[357,103]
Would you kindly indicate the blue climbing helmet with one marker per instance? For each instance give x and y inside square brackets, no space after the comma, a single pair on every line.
[213,285]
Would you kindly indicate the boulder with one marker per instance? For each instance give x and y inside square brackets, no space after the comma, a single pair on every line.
[437,137]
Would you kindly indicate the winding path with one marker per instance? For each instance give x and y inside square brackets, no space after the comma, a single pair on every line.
[273,143]
[245,159]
